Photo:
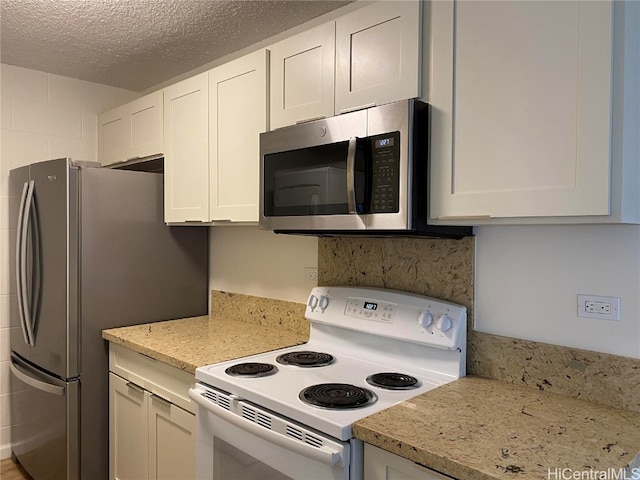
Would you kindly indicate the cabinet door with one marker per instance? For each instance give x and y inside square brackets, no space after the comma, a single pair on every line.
[302,76]
[128,430]
[382,465]
[145,116]
[113,136]
[186,161]
[378,55]
[237,116]
[172,446]
[521,109]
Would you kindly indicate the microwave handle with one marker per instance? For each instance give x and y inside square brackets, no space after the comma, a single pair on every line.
[351,175]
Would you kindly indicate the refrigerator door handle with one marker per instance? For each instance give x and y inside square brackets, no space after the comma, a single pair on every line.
[17,370]
[20,253]
[26,307]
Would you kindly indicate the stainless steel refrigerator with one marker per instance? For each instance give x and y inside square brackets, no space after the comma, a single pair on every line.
[91,252]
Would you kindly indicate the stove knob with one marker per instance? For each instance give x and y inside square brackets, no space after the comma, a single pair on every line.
[425,319]
[312,302]
[323,303]
[444,323]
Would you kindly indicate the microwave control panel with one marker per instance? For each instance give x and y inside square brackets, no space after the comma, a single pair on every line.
[385,185]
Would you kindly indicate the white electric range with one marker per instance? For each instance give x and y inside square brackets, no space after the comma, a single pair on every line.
[288,413]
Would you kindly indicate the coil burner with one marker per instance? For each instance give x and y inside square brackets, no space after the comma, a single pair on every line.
[251,370]
[305,358]
[337,396]
[393,381]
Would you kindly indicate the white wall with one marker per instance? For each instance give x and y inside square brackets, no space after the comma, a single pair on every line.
[528,279]
[43,116]
[254,262]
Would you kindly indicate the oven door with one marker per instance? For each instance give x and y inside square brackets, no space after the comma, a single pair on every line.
[236,440]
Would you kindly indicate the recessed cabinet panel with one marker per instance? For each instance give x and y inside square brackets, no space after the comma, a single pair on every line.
[113,139]
[521,109]
[128,431]
[172,441]
[378,55]
[238,114]
[186,131]
[133,130]
[302,85]
[302,76]
[146,126]
[529,97]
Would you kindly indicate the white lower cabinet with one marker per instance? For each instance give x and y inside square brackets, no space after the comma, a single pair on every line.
[382,465]
[150,435]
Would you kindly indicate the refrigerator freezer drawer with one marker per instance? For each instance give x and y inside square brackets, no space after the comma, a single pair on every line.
[44,418]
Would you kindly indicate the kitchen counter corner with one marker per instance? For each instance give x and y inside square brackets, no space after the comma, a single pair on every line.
[477,429]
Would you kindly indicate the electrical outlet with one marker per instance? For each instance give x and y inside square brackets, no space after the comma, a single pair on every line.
[595,306]
[311,274]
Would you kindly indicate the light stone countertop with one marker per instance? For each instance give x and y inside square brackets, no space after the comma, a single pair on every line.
[194,342]
[477,429]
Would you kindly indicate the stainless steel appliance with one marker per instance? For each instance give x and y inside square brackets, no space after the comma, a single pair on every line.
[288,413]
[92,252]
[364,172]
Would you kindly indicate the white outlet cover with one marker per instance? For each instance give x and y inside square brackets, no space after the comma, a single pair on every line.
[614,313]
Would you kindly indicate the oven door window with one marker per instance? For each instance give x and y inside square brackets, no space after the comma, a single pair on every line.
[233,453]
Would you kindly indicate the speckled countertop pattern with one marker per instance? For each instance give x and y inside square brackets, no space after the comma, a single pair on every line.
[194,342]
[477,429]
[239,325]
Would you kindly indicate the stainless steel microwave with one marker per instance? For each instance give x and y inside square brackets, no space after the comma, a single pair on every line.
[364,172]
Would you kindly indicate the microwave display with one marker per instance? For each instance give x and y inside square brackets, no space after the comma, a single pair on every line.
[384,142]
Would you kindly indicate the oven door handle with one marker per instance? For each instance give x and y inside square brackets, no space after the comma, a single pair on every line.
[324,454]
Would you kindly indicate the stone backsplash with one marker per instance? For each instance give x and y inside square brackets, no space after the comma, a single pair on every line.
[444,269]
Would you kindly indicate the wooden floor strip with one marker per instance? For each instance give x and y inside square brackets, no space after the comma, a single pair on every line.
[11,471]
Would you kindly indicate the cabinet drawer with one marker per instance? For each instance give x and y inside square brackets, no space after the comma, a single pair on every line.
[154,376]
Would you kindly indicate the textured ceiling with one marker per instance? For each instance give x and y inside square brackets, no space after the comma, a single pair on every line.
[137,44]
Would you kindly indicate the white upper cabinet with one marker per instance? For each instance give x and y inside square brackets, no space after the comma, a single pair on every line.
[133,130]
[525,97]
[378,55]
[186,141]
[237,116]
[368,57]
[302,76]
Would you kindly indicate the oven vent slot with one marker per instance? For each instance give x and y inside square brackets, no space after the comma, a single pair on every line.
[218,399]
[303,437]
[256,417]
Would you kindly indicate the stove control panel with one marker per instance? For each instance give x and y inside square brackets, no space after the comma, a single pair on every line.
[388,313]
[370,309]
